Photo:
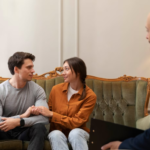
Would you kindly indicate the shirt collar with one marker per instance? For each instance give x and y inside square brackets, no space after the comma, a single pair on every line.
[65,88]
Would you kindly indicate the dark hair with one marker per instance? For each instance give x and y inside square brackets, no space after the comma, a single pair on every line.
[78,66]
[17,60]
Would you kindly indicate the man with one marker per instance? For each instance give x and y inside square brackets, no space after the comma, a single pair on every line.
[17,97]
[140,142]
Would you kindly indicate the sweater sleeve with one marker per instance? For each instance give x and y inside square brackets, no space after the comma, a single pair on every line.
[37,119]
[2,96]
[137,143]
[40,101]
[33,119]
[1,112]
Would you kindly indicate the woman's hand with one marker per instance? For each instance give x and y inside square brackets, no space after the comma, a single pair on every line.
[43,111]
[34,111]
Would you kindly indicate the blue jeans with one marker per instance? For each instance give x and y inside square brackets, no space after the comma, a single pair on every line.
[77,138]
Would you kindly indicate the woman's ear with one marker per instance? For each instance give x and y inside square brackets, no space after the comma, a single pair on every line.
[78,74]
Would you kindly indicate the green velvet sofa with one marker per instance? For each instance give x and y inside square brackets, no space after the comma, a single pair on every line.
[123,101]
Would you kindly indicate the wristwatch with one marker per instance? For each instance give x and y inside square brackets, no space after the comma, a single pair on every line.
[22,123]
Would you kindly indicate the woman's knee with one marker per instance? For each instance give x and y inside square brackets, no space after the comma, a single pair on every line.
[56,134]
[75,133]
[78,133]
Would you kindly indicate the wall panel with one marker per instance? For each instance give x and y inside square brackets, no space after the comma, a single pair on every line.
[112,37]
[30,26]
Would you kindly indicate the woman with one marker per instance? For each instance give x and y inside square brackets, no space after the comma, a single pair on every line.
[71,104]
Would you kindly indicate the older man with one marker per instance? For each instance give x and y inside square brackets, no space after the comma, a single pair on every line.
[140,142]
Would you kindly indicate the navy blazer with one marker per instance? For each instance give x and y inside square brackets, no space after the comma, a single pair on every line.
[140,142]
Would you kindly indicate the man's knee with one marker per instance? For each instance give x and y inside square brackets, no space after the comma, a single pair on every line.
[39,128]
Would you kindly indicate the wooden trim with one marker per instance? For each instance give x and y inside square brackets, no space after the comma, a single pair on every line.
[50,74]
[123,78]
[58,72]
[147,99]
[4,79]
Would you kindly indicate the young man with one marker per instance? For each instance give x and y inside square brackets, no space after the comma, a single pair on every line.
[140,142]
[17,99]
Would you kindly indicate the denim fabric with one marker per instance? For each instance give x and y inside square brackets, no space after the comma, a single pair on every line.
[77,138]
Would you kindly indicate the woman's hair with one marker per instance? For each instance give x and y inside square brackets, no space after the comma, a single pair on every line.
[78,66]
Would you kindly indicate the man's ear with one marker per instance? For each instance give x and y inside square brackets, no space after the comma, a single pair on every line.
[16,69]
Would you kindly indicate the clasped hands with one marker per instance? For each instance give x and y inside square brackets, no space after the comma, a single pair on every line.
[11,123]
[41,110]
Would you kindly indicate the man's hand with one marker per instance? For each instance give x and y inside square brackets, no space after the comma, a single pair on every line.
[27,113]
[112,145]
[9,123]
[43,111]
[35,111]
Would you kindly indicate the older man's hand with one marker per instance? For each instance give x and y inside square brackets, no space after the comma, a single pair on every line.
[112,145]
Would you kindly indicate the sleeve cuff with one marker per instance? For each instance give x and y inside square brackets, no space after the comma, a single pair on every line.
[18,116]
[120,147]
[56,118]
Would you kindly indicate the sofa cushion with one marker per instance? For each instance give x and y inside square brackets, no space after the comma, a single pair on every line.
[41,83]
[46,145]
[50,83]
[11,145]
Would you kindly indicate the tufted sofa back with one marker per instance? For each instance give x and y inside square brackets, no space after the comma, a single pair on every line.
[117,101]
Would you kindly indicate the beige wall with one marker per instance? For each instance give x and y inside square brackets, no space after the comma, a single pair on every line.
[109,35]
[31,26]
[112,37]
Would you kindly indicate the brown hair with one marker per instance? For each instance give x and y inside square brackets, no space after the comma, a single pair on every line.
[17,60]
[78,66]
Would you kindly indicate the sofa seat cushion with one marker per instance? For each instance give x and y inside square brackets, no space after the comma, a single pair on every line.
[11,145]
[46,145]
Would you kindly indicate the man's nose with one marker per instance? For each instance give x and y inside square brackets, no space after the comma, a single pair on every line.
[33,70]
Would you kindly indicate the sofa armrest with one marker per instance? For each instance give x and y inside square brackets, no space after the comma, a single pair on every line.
[143,123]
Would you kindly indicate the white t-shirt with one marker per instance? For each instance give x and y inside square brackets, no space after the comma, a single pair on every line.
[71,92]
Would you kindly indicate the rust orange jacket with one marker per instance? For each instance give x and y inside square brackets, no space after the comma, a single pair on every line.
[71,114]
